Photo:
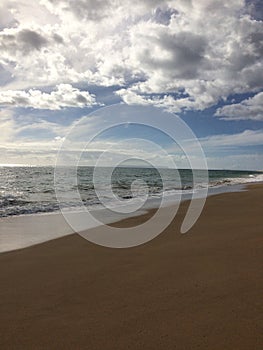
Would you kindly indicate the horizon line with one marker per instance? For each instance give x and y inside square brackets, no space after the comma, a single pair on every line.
[126,166]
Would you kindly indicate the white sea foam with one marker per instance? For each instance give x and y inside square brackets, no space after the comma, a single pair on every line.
[237,180]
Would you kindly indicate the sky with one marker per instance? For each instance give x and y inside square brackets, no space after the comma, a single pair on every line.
[198,60]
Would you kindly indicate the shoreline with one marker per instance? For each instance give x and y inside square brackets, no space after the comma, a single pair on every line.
[19,232]
[197,290]
[56,226]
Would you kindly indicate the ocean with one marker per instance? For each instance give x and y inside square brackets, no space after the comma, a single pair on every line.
[30,190]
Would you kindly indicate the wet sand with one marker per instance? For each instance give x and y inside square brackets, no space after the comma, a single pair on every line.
[200,290]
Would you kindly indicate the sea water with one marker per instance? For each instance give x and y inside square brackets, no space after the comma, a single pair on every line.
[31,190]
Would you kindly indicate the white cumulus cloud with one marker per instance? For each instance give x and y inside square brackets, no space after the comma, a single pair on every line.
[64,96]
[251,108]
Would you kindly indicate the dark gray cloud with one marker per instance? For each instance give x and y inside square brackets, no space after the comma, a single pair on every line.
[256,40]
[246,52]
[23,41]
[58,38]
[186,52]
[31,40]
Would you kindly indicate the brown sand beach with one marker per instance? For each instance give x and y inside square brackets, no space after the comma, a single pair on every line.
[201,290]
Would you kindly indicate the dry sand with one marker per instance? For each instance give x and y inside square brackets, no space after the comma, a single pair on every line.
[201,290]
